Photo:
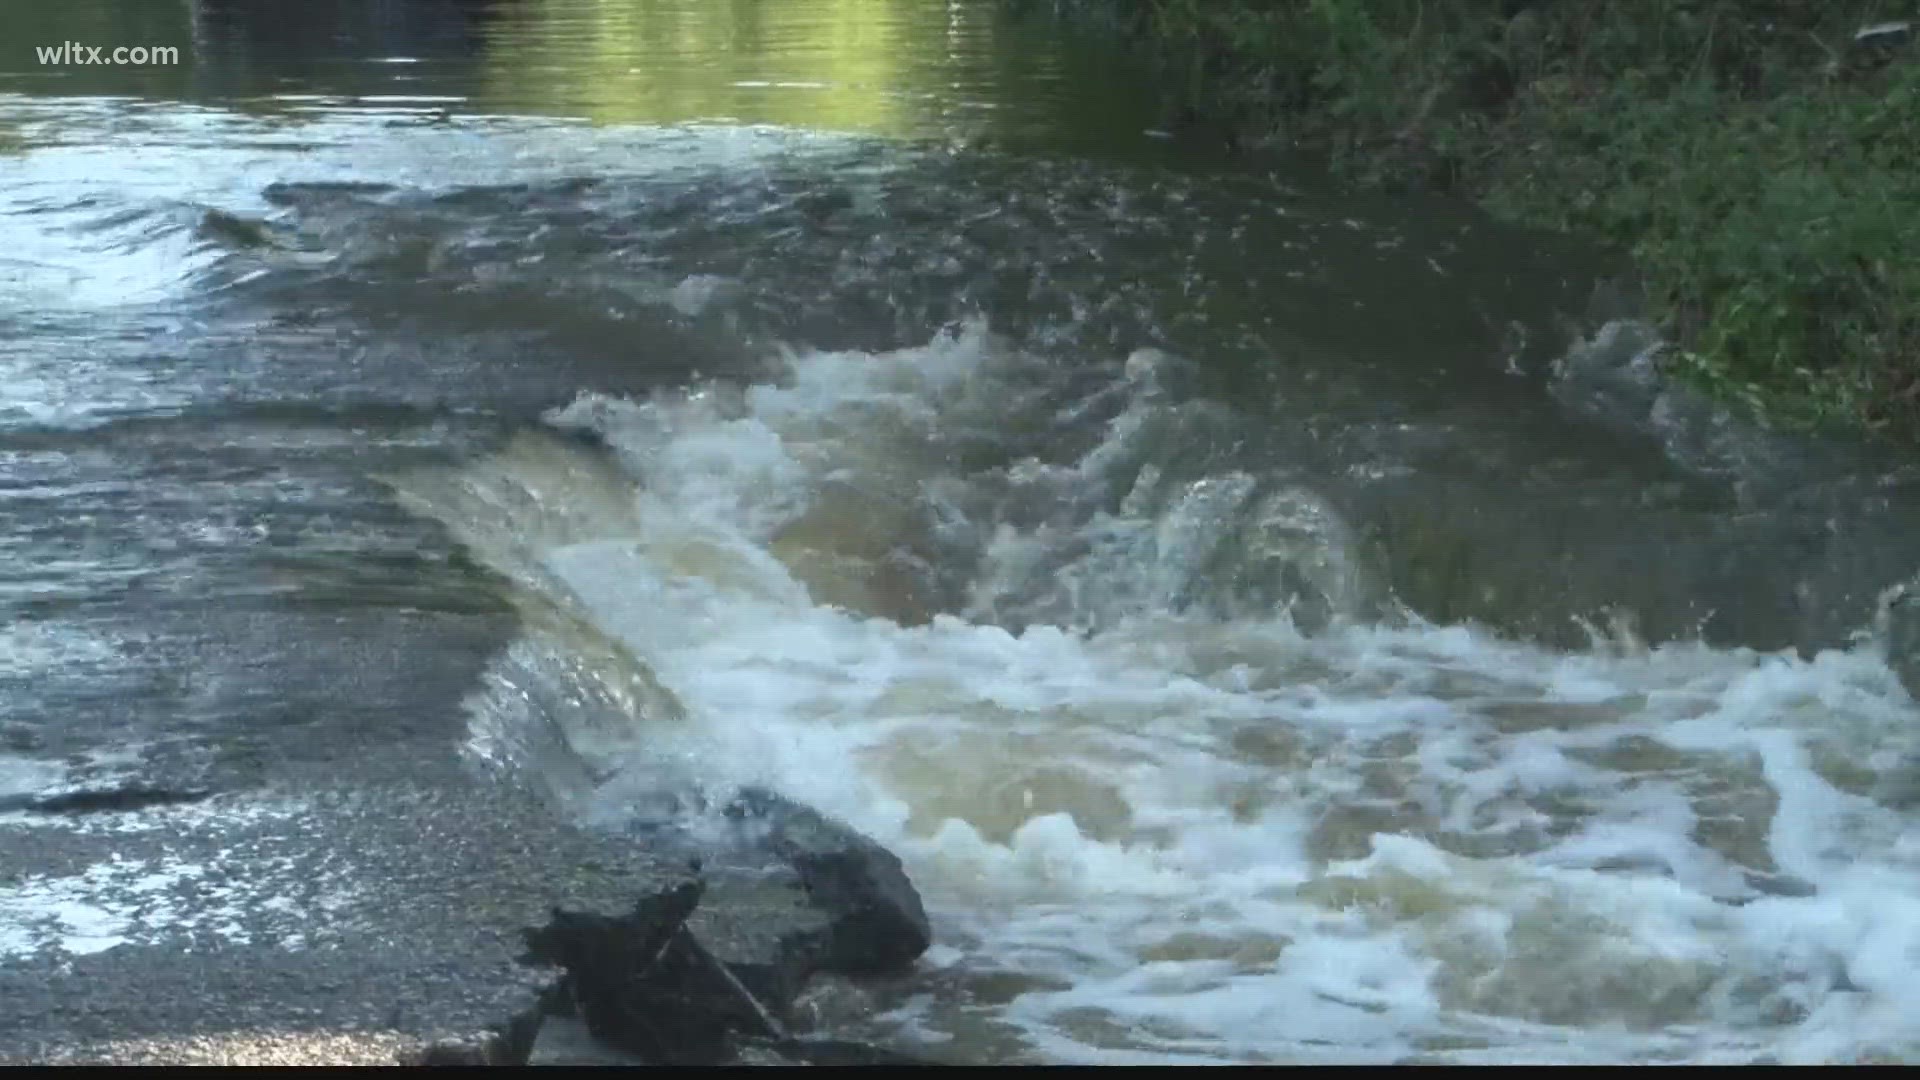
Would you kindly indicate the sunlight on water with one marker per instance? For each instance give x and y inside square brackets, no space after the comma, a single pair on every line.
[879,67]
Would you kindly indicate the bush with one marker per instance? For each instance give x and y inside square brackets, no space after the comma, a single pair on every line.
[1757,162]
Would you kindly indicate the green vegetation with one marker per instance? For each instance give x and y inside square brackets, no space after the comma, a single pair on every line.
[1761,163]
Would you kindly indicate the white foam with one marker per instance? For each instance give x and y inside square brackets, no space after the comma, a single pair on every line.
[119,902]
[26,775]
[159,897]
[37,648]
[1220,839]
[696,293]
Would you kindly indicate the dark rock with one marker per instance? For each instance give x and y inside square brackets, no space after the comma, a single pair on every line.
[641,983]
[1899,630]
[767,932]
[707,972]
[878,924]
[646,984]
[584,941]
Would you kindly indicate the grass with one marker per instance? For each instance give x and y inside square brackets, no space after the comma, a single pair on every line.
[1762,167]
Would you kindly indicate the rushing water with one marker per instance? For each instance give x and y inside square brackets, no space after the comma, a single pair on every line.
[1264,630]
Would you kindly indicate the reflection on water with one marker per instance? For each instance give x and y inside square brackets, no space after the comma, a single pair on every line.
[884,67]
[837,64]
[248,48]
[879,66]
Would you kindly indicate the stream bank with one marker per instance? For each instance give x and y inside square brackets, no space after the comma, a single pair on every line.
[1753,158]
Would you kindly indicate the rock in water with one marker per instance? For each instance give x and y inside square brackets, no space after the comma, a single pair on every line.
[767,932]
[588,944]
[707,972]
[877,924]
[641,983]
[1899,629]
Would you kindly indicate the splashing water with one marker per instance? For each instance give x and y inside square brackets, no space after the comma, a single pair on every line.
[1179,785]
